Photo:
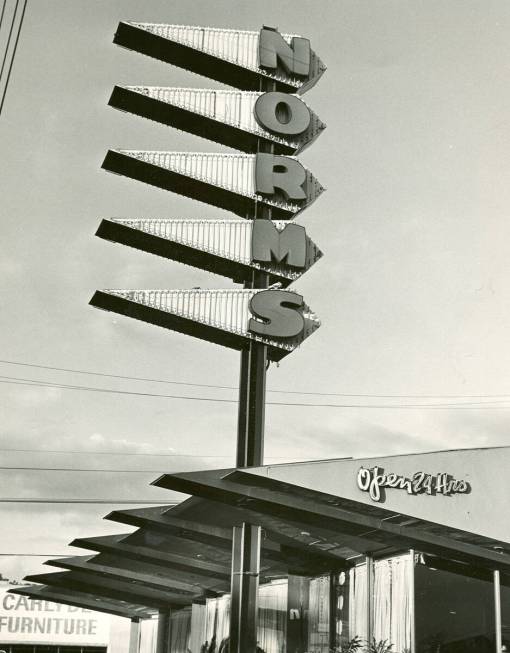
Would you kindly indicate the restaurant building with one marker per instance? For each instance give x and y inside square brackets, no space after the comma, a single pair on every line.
[396,554]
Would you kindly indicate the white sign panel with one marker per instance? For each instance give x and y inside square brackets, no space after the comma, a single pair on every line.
[34,621]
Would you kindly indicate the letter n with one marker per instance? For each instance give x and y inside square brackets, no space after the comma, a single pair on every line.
[274,50]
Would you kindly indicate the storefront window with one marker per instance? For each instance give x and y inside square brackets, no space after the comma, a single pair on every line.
[351,609]
[272,623]
[180,630]
[505,614]
[217,624]
[392,604]
[454,608]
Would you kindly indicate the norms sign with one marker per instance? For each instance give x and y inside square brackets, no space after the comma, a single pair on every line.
[24,620]
[263,185]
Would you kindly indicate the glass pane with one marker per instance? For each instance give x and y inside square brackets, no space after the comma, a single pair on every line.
[454,608]
[351,608]
[318,615]
[505,615]
[180,631]
[392,604]
[216,624]
[272,623]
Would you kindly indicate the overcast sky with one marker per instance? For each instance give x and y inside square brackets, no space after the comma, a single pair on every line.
[413,291]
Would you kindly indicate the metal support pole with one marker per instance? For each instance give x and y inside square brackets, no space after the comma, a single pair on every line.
[134,635]
[412,592]
[370,602]
[250,453]
[497,611]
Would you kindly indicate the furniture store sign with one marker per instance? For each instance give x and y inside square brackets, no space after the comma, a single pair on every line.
[33,621]
[375,481]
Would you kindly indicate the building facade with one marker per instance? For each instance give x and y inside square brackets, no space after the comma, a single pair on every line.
[399,554]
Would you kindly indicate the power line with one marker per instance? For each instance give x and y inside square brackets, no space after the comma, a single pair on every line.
[35,555]
[3,12]
[79,469]
[12,380]
[279,391]
[120,376]
[159,454]
[123,502]
[14,50]
[9,39]
[490,405]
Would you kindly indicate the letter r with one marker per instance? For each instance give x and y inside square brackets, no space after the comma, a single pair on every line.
[279,172]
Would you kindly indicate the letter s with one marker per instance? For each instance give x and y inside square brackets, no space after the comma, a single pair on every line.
[278,312]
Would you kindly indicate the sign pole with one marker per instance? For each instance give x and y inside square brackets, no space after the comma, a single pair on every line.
[250,453]
[265,186]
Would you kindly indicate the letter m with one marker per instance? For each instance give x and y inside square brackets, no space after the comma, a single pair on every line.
[274,50]
[268,244]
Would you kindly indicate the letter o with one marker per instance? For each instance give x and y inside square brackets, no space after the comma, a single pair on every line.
[282,113]
[364,479]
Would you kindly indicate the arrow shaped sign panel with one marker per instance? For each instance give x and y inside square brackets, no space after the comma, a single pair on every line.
[238,58]
[232,318]
[231,248]
[227,117]
[235,182]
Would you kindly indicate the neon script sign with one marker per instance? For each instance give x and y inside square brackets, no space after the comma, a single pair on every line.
[374,481]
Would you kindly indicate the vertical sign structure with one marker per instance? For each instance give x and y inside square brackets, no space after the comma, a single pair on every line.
[265,186]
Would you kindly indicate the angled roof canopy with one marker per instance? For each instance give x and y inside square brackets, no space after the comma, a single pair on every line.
[181,554]
[117,607]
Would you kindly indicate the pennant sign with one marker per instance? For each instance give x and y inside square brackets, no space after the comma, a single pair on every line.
[268,128]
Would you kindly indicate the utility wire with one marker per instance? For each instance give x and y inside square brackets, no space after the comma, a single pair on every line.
[14,50]
[445,406]
[2,14]
[79,469]
[35,555]
[159,454]
[123,502]
[8,44]
[231,387]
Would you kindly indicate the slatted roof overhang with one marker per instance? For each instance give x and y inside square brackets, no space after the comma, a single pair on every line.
[135,38]
[243,205]
[314,509]
[324,548]
[113,589]
[84,600]
[109,567]
[281,549]
[174,522]
[213,129]
[189,569]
